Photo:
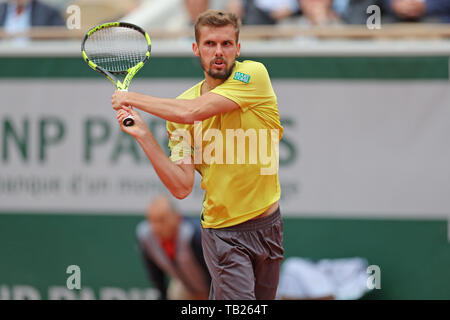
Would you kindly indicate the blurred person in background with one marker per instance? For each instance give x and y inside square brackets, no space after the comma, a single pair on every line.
[19,15]
[417,10]
[354,11]
[319,12]
[95,12]
[261,12]
[194,8]
[170,245]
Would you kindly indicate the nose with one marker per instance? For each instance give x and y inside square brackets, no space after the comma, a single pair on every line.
[219,51]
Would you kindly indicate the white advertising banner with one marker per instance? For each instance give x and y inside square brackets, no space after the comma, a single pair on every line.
[350,148]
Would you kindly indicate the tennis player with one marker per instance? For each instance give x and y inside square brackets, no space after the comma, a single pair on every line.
[242,235]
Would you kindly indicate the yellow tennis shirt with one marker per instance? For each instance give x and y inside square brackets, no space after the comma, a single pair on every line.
[236,153]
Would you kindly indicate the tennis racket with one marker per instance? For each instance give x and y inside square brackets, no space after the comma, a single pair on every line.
[116,50]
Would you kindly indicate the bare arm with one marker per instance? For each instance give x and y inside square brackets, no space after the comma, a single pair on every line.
[176,110]
[177,177]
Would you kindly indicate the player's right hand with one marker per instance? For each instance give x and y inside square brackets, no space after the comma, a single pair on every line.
[139,129]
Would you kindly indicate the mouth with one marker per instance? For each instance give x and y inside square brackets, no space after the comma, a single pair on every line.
[219,63]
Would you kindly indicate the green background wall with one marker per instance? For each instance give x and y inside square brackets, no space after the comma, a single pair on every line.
[414,256]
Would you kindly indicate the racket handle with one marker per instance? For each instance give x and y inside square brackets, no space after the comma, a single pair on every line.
[128,121]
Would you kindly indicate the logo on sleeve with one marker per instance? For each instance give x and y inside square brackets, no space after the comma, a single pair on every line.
[241,77]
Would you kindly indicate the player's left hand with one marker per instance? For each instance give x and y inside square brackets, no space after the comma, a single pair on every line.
[119,99]
[139,129]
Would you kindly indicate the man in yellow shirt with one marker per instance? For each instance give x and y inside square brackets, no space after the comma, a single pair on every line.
[227,127]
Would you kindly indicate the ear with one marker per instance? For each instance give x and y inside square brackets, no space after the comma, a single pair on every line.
[238,49]
[195,49]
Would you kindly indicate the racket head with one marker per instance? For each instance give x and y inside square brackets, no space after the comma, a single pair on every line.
[116,48]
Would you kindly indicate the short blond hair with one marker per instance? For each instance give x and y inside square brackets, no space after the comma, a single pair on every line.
[216,18]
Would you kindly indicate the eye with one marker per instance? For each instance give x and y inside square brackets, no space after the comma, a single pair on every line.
[208,43]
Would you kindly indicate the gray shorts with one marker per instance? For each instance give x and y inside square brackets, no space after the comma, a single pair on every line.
[244,260]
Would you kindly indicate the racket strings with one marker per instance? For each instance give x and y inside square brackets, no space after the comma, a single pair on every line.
[116,49]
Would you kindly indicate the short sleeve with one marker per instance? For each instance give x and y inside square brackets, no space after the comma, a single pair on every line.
[249,86]
[180,142]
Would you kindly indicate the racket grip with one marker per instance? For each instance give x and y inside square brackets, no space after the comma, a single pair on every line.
[128,121]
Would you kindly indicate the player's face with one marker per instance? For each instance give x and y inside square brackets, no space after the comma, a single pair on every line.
[217,48]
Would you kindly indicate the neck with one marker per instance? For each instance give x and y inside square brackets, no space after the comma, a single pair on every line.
[210,83]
